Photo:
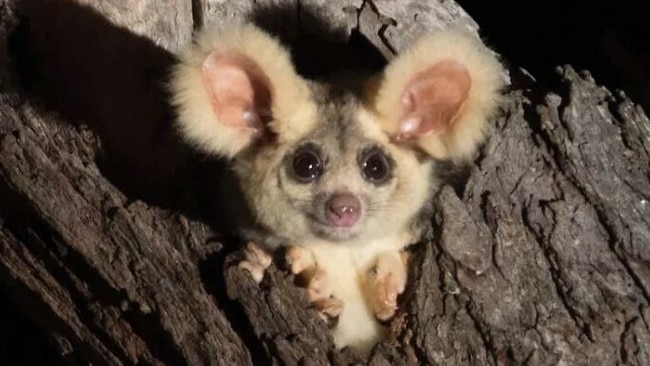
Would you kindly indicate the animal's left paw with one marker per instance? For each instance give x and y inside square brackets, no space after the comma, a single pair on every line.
[385,282]
[315,280]
[256,261]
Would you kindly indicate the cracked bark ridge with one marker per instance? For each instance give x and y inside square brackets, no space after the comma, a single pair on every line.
[408,19]
[118,280]
[542,259]
[388,25]
[282,319]
[563,195]
[558,199]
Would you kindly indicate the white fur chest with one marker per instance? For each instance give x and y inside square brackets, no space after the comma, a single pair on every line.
[367,279]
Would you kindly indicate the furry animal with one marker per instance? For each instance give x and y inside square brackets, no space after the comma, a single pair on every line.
[338,177]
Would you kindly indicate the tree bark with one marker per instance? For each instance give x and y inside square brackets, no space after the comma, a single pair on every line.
[110,244]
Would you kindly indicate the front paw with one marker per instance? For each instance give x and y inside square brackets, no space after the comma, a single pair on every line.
[385,282]
[256,261]
[301,262]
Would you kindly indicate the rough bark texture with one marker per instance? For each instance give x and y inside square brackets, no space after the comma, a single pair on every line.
[109,244]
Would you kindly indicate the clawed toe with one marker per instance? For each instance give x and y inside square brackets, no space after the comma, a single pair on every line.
[328,308]
[385,299]
[256,261]
[385,282]
[318,286]
[301,262]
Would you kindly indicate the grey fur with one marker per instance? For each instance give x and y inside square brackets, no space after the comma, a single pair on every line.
[341,139]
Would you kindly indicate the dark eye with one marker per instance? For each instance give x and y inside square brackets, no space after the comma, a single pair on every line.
[306,164]
[375,166]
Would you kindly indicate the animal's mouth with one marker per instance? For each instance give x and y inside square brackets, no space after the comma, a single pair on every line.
[334,233]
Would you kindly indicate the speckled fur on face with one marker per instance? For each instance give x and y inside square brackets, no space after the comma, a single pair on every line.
[343,130]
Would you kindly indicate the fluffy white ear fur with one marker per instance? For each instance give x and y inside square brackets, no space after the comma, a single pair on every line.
[461,55]
[207,111]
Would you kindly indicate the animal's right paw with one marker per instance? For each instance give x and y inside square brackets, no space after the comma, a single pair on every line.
[385,282]
[302,263]
[256,261]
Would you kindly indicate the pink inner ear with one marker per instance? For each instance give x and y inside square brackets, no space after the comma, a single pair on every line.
[239,90]
[434,99]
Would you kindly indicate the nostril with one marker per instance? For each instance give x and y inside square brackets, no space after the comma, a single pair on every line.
[343,209]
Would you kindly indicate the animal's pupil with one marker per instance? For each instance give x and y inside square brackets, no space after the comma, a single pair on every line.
[307,166]
[375,167]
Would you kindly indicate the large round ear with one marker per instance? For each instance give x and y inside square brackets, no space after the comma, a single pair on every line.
[439,93]
[234,86]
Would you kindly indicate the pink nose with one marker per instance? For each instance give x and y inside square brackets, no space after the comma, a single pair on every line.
[343,209]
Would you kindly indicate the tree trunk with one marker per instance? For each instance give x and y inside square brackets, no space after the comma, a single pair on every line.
[110,244]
